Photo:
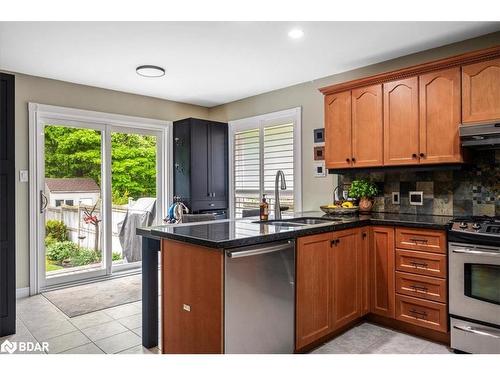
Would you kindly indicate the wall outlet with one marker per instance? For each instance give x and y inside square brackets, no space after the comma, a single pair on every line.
[395,197]
[416,198]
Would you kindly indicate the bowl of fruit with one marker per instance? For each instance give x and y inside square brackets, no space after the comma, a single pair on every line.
[340,208]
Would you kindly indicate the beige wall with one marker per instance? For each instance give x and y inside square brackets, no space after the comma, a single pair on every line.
[48,91]
[318,191]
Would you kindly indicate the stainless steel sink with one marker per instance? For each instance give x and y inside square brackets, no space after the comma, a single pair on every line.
[280,223]
[297,222]
[311,220]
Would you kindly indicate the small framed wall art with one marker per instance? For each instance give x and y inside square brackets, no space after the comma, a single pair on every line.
[319,135]
[319,152]
[319,169]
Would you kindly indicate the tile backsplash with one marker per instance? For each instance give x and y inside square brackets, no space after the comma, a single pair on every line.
[471,190]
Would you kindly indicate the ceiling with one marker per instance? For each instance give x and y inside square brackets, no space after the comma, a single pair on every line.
[211,63]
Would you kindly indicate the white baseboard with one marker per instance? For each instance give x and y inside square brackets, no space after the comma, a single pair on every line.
[22,292]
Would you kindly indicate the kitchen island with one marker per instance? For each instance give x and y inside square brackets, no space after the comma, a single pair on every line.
[211,239]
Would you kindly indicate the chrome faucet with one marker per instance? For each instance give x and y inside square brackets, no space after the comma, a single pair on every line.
[277,207]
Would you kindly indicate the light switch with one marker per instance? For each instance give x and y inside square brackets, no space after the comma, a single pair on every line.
[395,197]
[23,175]
[416,198]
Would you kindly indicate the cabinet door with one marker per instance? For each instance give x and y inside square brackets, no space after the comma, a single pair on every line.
[364,271]
[313,289]
[382,271]
[218,162]
[338,130]
[367,127]
[481,92]
[346,304]
[199,161]
[440,117]
[192,291]
[401,122]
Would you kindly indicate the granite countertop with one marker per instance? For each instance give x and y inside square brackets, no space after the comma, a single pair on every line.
[231,233]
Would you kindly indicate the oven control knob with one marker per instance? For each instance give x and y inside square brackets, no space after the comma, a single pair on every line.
[476,226]
[463,225]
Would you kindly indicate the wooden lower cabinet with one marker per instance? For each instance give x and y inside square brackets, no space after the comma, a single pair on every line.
[421,263]
[382,271]
[422,313]
[313,289]
[425,287]
[192,297]
[328,282]
[364,270]
[346,278]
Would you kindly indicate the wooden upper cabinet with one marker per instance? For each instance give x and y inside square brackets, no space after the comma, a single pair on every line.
[346,303]
[382,271]
[481,92]
[367,127]
[440,117]
[313,289]
[338,130]
[401,133]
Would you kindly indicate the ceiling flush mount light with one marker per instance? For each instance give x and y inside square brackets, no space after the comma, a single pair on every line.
[296,33]
[150,71]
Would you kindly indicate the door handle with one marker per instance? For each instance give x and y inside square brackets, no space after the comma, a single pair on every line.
[265,250]
[475,252]
[418,264]
[476,331]
[44,202]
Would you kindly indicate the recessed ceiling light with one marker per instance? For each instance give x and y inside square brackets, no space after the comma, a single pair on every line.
[296,33]
[150,71]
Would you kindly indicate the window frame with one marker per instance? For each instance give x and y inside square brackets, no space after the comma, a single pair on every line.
[292,115]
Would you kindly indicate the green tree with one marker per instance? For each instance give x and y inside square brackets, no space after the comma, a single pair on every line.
[73,152]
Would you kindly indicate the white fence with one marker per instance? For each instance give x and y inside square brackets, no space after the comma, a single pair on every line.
[84,234]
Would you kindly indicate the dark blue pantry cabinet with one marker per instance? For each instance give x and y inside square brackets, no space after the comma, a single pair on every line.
[201,164]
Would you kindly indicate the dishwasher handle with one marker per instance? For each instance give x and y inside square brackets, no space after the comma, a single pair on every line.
[259,251]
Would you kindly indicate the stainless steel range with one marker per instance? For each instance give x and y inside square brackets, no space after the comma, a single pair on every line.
[474,285]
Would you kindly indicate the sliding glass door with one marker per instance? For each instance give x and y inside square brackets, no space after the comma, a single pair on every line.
[97,183]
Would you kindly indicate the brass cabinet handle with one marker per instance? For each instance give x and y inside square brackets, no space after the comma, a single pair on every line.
[422,313]
[417,240]
[414,156]
[348,160]
[422,155]
[418,264]
[417,288]
[353,160]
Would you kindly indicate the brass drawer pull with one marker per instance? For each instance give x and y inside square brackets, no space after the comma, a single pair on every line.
[416,312]
[417,240]
[419,288]
[419,265]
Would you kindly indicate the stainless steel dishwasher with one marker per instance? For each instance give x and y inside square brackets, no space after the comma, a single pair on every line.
[259,298]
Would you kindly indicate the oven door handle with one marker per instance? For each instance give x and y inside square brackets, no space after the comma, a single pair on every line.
[476,331]
[462,250]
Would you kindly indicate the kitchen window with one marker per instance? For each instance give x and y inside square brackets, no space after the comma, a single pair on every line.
[259,147]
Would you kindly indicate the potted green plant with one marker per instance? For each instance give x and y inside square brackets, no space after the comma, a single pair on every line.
[364,191]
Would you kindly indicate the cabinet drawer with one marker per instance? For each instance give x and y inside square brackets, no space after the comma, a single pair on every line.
[429,288]
[208,205]
[422,313]
[433,241]
[421,263]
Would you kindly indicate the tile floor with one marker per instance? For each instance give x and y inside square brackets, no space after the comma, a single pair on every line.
[369,338]
[114,330]
[118,330]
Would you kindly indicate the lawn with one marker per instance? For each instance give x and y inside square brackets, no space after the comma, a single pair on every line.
[49,266]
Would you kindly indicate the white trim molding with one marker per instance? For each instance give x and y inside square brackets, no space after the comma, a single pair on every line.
[22,292]
[40,114]
[292,115]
